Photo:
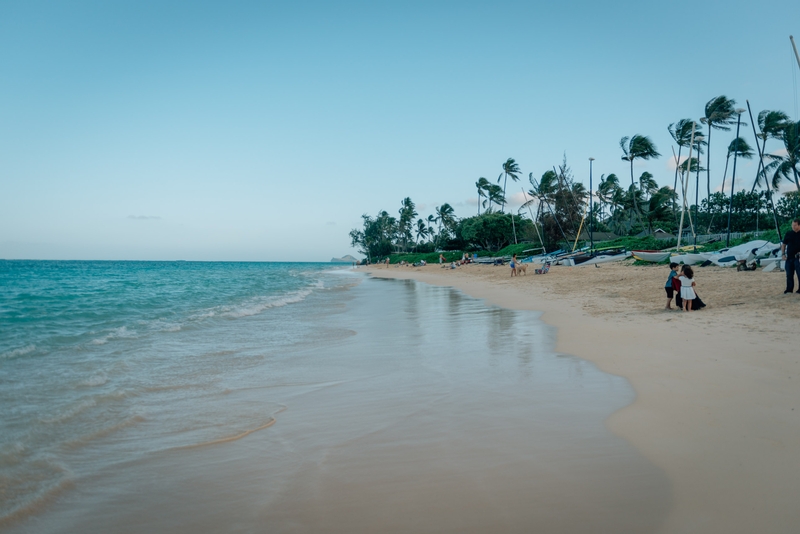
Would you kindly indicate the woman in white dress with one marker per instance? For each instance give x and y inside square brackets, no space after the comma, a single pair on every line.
[687,288]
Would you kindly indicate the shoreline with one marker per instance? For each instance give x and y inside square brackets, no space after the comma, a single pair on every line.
[717,408]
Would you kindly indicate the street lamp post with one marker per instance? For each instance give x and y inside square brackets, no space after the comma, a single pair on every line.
[739,112]
[591,207]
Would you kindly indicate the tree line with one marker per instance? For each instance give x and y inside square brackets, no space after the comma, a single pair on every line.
[556,209]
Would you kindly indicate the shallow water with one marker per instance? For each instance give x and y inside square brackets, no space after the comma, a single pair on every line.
[357,405]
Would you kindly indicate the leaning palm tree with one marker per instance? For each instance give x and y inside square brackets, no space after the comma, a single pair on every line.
[633,148]
[719,115]
[495,196]
[681,132]
[483,187]
[606,190]
[787,167]
[742,149]
[647,184]
[422,230]
[510,169]
[771,124]
[445,216]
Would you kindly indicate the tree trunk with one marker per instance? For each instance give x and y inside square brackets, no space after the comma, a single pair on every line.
[725,174]
[635,204]
[675,183]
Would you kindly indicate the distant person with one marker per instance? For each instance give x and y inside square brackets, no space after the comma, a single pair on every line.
[441,259]
[513,265]
[387,263]
[673,272]
[687,288]
[790,252]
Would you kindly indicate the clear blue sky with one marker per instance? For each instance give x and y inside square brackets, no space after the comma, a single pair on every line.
[262,131]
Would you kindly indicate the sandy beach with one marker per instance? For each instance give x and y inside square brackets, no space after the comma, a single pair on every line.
[718,402]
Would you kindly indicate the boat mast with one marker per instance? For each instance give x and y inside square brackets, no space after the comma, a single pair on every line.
[794,47]
[686,185]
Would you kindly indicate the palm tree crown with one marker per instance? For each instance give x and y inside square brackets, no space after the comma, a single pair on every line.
[633,148]
[719,115]
[510,169]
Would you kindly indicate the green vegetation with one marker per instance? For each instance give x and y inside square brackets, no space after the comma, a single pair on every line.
[557,207]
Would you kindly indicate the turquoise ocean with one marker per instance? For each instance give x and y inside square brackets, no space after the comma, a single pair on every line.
[304,380]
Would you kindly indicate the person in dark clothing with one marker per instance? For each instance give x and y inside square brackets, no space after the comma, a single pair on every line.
[790,250]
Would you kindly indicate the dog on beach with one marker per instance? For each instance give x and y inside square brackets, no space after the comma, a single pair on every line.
[522,268]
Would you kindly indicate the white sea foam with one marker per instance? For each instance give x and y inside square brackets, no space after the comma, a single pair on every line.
[70,412]
[117,333]
[96,380]
[255,307]
[16,353]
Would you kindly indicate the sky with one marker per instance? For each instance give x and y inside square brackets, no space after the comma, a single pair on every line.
[262,131]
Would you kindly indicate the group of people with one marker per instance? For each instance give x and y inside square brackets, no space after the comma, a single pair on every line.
[681,286]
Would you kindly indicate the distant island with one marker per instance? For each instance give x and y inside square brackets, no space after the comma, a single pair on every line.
[344,259]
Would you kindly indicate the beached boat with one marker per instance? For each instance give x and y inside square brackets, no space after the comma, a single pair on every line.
[690,258]
[593,258]
[746,252]
[654,256]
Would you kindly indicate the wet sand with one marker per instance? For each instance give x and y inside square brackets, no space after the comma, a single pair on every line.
[717,399]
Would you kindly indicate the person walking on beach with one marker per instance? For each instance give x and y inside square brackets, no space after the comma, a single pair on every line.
[513,265]
[790,252]
[673,271]
[687,288]
[441,259]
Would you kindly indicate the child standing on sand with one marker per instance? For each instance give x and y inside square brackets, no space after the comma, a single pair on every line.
[513,265]
[673,271]
[687,288]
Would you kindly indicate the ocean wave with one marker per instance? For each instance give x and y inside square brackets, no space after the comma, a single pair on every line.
[96,380]
[25,497]
[257,305]
[70,412]
[103,432]
[117,333]
[16,353]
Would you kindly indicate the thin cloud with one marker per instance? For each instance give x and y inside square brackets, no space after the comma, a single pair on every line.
[143,217]
[330,223]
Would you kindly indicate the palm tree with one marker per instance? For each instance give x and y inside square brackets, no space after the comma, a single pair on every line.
[430,221]
[422,230]
[647,184]
[771,124]
[788,166]
[720,112]
[681,132]
[510,168]
[633,148]
[606,190]
[494,195]
[742,150]
[445,216]
[483,187]
[407,213]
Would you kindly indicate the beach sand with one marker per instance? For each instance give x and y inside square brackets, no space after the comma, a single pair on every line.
[718,399]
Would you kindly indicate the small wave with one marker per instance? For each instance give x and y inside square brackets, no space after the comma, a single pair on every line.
[254,308]
[71,412]
[93,381]
[271,421]
[35,503]
[16,353]
[117,333]
[103,432]
[12,453]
